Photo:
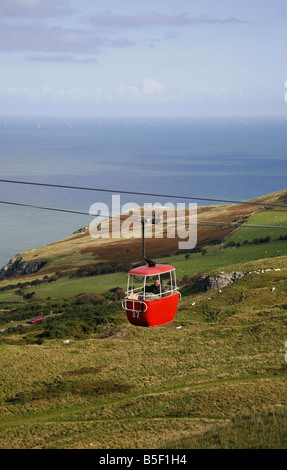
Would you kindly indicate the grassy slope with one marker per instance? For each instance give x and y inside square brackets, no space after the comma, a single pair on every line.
[81,250]
[266,430]
[200,385]
[214,259]
[149,388]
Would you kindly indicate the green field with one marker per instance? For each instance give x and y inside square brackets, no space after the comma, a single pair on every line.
[276,218]
[220,258]
[66,287]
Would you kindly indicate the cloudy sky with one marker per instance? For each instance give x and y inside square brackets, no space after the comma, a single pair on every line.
[152,57]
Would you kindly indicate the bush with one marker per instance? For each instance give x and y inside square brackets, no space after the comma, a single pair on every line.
[185,280]
[29,295]
[89,299]
[79,324]
[117,293]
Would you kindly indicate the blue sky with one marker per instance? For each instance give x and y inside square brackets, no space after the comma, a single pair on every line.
[135,58]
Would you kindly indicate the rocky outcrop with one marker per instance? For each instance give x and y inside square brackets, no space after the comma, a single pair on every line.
[81,230]
[18,267]
[204,283]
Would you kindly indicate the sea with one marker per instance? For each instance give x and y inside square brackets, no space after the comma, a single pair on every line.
[219,158]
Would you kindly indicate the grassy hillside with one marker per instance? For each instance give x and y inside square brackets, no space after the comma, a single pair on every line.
[77,264]
[86,378]
[81,251]
[221,362]
[266,430]
[215,258]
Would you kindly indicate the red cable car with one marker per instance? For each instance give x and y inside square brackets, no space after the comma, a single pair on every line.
[151,305]
[144,308]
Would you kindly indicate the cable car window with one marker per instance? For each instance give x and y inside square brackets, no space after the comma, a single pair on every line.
[135,286]
[153,288]
[173,279]
[166,282]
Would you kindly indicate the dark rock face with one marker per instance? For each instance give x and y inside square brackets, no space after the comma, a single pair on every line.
[18,267]
[222,280]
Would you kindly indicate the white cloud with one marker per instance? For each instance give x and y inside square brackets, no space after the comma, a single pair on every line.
[148,86]
[151,85]
[127,89]
[146,91]
[12,91]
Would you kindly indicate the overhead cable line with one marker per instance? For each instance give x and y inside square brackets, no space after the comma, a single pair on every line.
[202,223]
[135,193]
[57,209]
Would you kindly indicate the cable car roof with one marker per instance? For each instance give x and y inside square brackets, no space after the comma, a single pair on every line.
[151,271]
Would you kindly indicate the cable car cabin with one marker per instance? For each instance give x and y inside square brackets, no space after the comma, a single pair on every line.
[152,295]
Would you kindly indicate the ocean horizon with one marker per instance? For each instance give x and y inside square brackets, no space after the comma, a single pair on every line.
[215,158]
